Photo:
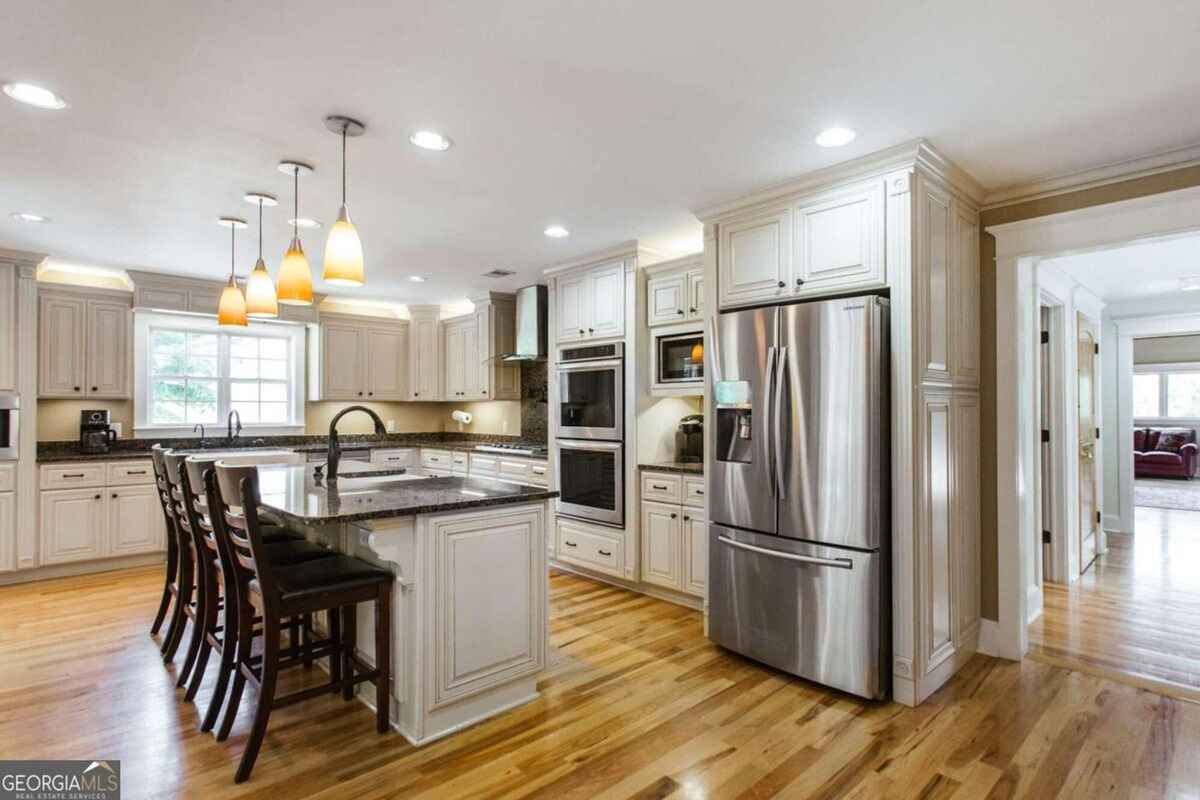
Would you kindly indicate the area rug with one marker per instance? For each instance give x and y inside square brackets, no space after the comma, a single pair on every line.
[1164,493]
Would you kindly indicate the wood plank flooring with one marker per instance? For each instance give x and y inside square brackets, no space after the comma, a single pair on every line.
[637,704]
[1135,614]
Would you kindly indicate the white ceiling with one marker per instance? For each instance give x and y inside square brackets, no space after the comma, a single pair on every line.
[1147,270]
[611,118]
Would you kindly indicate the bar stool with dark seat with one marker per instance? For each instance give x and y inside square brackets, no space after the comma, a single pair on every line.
[330,584]
[283,547]
[180,580]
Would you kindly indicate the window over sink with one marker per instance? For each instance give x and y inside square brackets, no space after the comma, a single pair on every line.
[189,371]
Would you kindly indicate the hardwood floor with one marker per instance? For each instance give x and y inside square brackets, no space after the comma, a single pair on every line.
[638,704]
[1135,614]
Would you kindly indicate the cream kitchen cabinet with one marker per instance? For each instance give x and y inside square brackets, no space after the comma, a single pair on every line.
[674,532]
[84,345]
[424,354]
[496,322]
[675,291]
[8,328]
[462,359]
[359,359]
[827,243]
[591,304]
[107,514]
[8,518]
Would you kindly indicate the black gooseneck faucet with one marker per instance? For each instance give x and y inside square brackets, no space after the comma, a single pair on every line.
[334,455]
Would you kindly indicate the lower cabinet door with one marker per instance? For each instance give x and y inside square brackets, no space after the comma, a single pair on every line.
[72,525]
[8,532]
[695,551]
[661,528]
[135,521]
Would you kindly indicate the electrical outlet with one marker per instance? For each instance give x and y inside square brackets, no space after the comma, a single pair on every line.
[391,426]
[116,426]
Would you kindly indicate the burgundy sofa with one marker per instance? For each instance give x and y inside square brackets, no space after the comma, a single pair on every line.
[1164,453]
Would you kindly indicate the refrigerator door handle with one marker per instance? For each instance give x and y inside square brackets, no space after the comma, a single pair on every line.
[782,444]
[768,445]
[840,563]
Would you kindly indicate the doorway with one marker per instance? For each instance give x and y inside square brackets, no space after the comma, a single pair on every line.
[1139,634]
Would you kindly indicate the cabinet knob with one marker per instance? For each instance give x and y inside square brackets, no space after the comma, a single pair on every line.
[782,284]
[97,497]
[370,394]
[77,388]
[686,518]
[114,494]
[416,394]
[591,330]
[581,331]
[799,281]
[680,311]
[692,309]
[674,516]
[360,394]
[95,388]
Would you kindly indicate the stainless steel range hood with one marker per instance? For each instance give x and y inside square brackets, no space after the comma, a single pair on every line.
[531,325]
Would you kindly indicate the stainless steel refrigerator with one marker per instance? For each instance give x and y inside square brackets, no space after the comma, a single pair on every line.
[799,572]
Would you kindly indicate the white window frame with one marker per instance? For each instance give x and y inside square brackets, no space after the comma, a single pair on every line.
[1164,372]
[143,321]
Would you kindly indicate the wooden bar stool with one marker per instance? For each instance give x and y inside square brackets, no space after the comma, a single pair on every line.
[181,572]
[191,511]
[170,587]
[281,592]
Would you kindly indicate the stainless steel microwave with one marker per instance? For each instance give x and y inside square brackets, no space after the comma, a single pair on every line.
[679,359]
[10,412]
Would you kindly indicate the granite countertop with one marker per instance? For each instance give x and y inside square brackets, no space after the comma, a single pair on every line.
[686,467]
[295,496]
[53,452]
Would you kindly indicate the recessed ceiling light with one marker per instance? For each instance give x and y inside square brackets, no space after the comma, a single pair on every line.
[430,140]
[835,137]
[304,222]
[416,278]
[557,232]
[25,216]
[32,95]
[1190,284]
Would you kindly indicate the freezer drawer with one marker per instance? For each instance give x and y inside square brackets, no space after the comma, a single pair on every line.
[822,613]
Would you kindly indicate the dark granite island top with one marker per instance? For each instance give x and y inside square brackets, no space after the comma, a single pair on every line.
[294,495]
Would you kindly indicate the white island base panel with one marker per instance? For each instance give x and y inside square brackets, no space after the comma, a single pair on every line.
[469,617]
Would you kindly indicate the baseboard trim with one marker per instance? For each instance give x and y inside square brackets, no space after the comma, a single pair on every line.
[658,593]
[78,568]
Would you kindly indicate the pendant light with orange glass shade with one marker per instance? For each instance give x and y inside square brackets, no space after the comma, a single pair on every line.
[260,289]
[343,263]
[231,310]
[294,285]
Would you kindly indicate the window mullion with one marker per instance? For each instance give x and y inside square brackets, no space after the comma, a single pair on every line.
[1164,377]
[223,370]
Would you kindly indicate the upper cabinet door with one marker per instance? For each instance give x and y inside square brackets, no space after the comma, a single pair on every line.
[935,249]
[8,328]
[756,258]
[666,298]
[342,365]
[108,358]
[387,357]
[572,308]
[695,294]
[505,379]
[425,356]
[61,321]
[454,363]
[606,290]
[472,365]
[840,241]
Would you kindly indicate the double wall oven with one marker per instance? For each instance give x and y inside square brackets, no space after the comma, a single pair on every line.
[10,412]
[591,432]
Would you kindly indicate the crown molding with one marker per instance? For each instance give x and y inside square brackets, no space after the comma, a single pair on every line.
[481,298]
[21,258]
[630,250]
[1093,177]
[916,153]
[690,261]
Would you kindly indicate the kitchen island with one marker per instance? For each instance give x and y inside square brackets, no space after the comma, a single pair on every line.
[470,603]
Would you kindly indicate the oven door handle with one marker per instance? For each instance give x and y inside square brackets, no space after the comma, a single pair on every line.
[603,447]
[576,366]
[840,563]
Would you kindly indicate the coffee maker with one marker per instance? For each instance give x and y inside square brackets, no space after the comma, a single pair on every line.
[689,440]
[95,434]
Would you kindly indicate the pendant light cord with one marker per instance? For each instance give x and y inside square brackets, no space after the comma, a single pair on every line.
[344,127]
[260,202]
[232,250]
[296,203]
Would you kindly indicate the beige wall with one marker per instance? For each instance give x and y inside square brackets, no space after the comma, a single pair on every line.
[1111,193]
[59,419]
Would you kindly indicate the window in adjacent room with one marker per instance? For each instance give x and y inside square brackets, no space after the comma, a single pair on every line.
[1166,391]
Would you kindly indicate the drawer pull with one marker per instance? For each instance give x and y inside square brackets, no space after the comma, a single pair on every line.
[659,488]
[73,475]
[699,492]
[569,544]
[604,552]
[135,472]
